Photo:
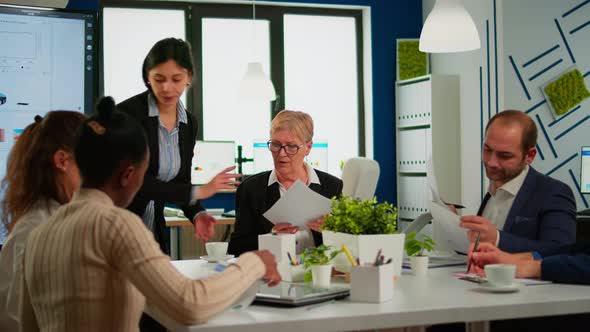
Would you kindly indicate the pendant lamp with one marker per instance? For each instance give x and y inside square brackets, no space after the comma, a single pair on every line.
[449,28]
[255,84]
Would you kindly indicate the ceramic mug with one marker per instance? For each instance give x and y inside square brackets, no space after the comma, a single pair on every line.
[500,275]
[216,249]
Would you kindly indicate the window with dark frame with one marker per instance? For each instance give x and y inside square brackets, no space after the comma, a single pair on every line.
[195,13]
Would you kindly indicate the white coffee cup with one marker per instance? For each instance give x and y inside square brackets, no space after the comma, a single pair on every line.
[500,275]
[216,249]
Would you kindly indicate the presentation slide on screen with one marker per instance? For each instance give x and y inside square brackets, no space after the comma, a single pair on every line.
[43,65]
[41,69]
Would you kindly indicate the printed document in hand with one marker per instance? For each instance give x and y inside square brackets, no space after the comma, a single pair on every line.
[431,181]
[447,228]
[298,205]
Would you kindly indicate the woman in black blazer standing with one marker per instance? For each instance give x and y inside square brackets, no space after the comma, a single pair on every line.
[172,131]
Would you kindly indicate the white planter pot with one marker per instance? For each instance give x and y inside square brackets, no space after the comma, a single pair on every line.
[419,265]
[321,275]
[365,247]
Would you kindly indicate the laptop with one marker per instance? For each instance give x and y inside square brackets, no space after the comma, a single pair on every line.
[288,294]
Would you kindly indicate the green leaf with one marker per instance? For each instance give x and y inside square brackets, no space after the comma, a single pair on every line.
[415,247]
[320,255]
[355,216]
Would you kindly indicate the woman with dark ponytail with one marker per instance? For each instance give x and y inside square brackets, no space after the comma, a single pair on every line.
[41,175]
[94,265]
[172,132]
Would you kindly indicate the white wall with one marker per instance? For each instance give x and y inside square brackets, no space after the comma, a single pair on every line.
[530,30]
[467,66]
[534,30]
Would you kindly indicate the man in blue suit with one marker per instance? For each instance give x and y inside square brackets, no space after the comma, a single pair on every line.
[523,210]
[568,264]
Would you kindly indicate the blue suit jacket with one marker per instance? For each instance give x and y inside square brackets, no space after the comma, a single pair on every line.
[542,216]
[568,264]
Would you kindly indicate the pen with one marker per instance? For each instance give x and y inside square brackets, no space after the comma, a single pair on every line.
[377,257]
[348,255]
[474,250]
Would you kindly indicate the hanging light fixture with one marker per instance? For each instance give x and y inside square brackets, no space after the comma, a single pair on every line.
[255,84]
[449,28]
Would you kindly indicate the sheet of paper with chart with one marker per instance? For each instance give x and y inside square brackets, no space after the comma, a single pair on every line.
[298,205]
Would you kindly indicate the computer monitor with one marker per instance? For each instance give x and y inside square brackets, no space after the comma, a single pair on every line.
[317,158]
[210,158]
[585,170]
[48,61]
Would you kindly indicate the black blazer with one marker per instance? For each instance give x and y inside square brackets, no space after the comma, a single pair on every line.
[178,190]
[254,197]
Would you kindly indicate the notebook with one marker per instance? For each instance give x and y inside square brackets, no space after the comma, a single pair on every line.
[287,294]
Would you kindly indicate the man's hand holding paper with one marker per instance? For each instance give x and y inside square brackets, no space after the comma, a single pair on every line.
[475,224]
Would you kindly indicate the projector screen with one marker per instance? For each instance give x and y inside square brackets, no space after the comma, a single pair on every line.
[47,62]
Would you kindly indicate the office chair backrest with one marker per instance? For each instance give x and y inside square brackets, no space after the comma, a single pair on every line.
[360,176]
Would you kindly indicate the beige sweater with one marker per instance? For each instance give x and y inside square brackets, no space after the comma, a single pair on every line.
[92,266]
[11,258]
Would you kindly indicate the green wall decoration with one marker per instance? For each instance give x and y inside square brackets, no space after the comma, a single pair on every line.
[565,92]
[410,61]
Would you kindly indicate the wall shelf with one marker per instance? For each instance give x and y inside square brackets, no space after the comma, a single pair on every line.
[427,114]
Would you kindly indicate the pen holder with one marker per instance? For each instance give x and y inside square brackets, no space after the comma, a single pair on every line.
[369,283]
[293,273]
[278,244]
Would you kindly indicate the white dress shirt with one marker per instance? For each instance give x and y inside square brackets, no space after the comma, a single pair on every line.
[500,203]
[11,261]
[304,238]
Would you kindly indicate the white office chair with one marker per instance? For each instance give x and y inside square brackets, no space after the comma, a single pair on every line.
[360,176]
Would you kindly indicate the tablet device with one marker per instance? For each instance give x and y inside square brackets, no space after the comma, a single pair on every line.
[288,294]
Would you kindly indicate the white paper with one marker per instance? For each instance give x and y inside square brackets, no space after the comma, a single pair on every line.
[298,206]
[532,282]
[446,224]
[431,181]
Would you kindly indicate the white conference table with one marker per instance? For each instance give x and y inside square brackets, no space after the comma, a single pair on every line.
[436,298]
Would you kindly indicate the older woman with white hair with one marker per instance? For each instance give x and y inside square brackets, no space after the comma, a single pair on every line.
[291,140]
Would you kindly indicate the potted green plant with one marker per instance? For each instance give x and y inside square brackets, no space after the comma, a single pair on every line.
[365,227]
[416,248]
[318,260]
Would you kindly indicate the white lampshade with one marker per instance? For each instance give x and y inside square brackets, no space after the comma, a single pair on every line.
[256,85]
[449,28]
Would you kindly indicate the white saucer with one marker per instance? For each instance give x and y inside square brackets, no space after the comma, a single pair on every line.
[217,259]
[515,287]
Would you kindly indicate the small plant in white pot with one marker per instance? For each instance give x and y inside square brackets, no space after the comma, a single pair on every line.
[365,227]
[319,260]
[416,248]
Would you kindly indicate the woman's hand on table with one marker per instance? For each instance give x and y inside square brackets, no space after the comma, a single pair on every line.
[271,274]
